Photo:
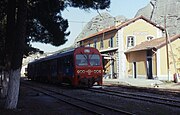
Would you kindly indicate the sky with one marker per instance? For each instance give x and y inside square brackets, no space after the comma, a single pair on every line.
[78,18]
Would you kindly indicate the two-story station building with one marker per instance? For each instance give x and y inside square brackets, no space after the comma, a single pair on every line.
[135,49]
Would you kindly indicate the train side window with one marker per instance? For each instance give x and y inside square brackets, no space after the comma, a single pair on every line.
[68,61]
[71,61]
[63,63]
[60,65]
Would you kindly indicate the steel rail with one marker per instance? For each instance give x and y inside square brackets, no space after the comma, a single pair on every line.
[153,99]
[49,93]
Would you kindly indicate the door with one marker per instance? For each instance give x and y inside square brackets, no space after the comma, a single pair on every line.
[149,64]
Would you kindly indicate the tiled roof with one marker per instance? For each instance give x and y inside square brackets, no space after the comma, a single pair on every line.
[154,43]
[121,26]
[137,18]
[100,32]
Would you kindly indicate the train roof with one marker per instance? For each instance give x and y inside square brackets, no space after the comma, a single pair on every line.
[60,54]
[57,55]
[53,56]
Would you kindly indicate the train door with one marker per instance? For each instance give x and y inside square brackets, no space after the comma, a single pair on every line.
[68,64]
[68,69]
[149,65]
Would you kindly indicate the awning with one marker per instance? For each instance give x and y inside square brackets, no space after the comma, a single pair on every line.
[106,56]
[108,50]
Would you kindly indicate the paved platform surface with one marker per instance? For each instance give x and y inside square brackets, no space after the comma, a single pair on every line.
[133,82]
[142,83]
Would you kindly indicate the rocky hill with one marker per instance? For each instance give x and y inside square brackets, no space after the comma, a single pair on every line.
[98,23]
[160,10]
[157,11]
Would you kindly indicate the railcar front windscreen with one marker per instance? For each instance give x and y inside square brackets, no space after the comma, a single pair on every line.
[81,60]
[88,59]
[94,60]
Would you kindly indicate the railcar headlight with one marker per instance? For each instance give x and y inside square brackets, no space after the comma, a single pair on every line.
[95,71]
[78,71]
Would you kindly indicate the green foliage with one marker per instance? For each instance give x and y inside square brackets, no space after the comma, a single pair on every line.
[45,23]
[3,8]
[86,4]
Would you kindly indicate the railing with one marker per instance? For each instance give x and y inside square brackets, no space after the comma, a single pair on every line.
[108,76]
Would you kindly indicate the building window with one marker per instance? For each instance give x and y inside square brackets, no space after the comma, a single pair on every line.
[111,42]
[101,44]
[95,43]
[149,38]
[130,41]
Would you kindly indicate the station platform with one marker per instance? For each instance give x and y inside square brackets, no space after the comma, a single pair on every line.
[168,86]
[133,82]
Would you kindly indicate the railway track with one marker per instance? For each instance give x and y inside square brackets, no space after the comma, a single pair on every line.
[141,97]
[89,106]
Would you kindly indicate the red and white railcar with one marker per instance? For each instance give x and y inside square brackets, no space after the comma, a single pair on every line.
[79,67]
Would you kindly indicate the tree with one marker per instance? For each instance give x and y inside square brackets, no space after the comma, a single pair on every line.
[44,24]
[14,45]
[4,84]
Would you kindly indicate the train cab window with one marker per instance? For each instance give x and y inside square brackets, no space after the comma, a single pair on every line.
[81,60]
[94,60]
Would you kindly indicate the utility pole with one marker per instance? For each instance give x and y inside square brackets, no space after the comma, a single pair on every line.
[167,53]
